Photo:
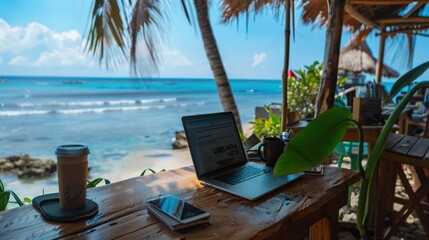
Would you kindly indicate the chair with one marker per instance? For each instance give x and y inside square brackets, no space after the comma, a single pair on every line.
[401,150]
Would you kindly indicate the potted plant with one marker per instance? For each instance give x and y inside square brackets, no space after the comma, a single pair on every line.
[331,127]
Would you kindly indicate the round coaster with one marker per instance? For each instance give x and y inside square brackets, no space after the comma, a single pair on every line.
[49,206]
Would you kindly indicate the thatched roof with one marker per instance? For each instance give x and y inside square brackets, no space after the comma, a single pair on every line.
[356,57]
[400,16]
[391,17]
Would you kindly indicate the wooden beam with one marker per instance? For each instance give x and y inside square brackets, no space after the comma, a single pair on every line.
[386,2]
[286,66]
[359,17]
[416,8]
[415,30]
[379,66]
[402,21]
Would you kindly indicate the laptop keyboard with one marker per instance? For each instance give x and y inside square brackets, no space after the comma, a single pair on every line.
[241,174]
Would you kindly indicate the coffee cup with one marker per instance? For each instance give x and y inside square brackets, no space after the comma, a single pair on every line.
[72,165]
[270,150]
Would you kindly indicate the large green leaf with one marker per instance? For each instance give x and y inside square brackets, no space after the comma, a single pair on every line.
[406,80]
[314,143]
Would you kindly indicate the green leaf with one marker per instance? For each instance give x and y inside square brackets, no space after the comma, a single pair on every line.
[93,183]
[406,80]
[20,203]
[4,200]
[1,186]
[147,169]
[27,200]
[314,143]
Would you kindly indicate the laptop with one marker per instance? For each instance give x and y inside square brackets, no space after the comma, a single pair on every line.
[220,161]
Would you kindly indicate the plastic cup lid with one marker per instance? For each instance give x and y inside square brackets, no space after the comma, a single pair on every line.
[71,150]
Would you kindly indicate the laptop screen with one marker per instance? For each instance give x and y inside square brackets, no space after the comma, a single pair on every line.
[214,141]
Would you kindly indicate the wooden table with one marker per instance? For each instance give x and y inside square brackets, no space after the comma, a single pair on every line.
[308,205]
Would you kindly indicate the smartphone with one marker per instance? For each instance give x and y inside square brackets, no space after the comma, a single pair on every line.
[178,209]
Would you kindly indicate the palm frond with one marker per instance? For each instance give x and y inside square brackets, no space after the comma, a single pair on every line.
[106,33]
[146,24]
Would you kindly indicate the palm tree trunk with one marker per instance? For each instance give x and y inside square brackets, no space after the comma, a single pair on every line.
[328,83]
[224,89]
[286,67]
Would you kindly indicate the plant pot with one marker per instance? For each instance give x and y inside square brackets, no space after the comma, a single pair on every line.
[293,117]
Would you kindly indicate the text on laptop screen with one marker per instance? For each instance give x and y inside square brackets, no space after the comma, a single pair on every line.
[215,143]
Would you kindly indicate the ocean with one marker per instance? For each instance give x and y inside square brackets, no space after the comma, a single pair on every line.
[126,123]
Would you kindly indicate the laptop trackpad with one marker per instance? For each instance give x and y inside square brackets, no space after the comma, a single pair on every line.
[256,187]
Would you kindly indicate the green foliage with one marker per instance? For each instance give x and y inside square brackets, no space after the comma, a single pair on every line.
[302,92]
[267,127]
[306,149]
[406,80]
[95,182]
[331,128]
[5,196]
[150,170]
[363,213]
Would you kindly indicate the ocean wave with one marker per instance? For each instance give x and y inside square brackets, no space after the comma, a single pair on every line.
[95,103]
[93,110]
[78,111]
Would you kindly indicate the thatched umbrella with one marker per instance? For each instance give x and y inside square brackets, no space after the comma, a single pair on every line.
[356,57]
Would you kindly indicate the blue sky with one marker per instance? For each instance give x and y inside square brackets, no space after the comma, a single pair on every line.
[45,38]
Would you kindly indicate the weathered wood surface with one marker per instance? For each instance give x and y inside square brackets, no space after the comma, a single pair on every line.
[285,213]
[407,150]
[400,150]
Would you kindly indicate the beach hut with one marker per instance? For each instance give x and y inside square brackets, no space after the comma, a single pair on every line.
[356,57]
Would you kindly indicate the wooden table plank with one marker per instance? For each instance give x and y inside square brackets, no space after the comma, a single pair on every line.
[404,146]
[392,140]
[420,148]
[123,213]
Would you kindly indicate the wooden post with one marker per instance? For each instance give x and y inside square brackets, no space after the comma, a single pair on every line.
[286,67]
[328,83]
[379,67]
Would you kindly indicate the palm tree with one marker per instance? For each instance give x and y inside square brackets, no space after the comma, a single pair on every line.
[233,8]
[110,30]
[212,51]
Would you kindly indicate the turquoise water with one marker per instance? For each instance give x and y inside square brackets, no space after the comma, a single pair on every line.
[37,114]
[114,117]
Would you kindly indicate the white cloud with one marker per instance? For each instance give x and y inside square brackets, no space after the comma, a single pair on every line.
[173,58]
[19,61]
[258,58]
[38,46]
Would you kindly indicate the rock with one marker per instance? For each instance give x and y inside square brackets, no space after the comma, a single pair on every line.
[25,166]
[179,141]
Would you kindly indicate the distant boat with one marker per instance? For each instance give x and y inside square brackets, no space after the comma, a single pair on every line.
[74,82]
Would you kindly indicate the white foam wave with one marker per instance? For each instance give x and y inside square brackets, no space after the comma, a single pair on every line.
[79,111]
[96,103]
[21,113]
[96,110]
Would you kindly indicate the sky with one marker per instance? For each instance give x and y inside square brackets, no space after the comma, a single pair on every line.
[47,38]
